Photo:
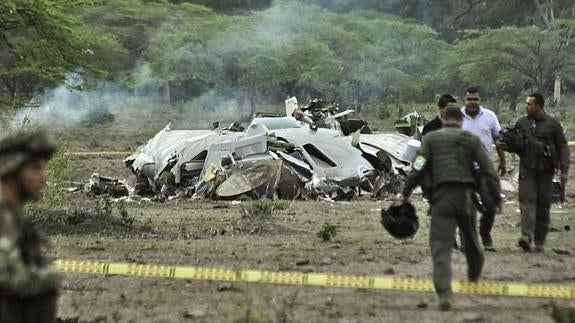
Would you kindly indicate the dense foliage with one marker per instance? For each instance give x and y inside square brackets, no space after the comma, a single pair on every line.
[360,53]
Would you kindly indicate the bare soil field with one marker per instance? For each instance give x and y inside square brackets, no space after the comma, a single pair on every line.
[214,234]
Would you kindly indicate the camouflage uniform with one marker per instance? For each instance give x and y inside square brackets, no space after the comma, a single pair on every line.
[28,285]
[544,150]
[448,157]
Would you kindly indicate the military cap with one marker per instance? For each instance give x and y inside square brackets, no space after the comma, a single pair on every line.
[18,148]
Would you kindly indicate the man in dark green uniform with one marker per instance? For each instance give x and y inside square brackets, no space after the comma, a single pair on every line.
[28,284]
[444,102]
[448,156]
[544,149]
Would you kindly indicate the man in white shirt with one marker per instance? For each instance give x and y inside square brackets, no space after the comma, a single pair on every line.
[484,124]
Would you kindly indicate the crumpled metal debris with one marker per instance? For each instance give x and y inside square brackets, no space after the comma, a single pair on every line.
[100,185]
[275,157]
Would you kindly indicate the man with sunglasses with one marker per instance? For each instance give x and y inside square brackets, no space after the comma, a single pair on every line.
[484,124]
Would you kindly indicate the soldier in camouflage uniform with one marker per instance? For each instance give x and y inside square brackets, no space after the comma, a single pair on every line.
[544,149]
[447,156]
[28,284]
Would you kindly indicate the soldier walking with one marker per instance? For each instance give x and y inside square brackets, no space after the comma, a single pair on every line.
[544,149]
[28,284]
[448,156]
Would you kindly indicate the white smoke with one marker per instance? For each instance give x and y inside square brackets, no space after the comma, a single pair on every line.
[70,104]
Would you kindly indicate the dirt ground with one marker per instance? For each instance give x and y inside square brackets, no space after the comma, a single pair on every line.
[213,234]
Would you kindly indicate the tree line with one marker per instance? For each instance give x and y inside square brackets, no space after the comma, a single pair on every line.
[360,53]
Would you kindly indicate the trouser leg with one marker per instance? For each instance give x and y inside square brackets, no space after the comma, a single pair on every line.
[441,236]
[544,198]
[41,309]
[466,221]
[485,226]
[11,309]
[487,215]
[528,203]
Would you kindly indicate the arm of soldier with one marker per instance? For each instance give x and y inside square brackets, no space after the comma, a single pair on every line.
[496,135]
[562,150]
[563,154]
[487,170]
[418,170]
[23,279]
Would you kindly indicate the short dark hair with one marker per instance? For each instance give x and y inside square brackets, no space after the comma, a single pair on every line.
[445,99]
[453,113]
[539,99]
[472,90]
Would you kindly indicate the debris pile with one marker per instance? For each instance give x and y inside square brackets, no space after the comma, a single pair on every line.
[100,185]
[307,155]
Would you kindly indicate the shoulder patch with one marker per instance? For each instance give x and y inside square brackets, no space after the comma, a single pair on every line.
[419,163]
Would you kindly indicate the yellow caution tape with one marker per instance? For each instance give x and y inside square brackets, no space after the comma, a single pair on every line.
[312,279]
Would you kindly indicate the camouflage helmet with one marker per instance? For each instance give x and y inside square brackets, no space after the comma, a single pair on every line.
[18,148]
[400,220]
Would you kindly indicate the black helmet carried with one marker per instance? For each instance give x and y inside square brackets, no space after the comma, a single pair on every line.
[513,139]
[400,220]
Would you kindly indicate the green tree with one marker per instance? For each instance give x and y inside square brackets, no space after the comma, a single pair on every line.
[41,42]
[510,60]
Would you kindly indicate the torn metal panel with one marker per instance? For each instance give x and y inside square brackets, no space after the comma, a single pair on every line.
[401,148]
[291,105]
[391,155]
[240,147]
[299,165]
[257,175]
[410,124]
[260,126]
[178,151]
[162,147]
[327,154]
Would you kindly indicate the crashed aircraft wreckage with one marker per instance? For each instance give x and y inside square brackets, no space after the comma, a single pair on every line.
[276,157]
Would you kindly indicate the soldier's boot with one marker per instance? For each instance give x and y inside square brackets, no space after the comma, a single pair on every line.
[525,243]
[540,237]
[539,249]
[487,242]
[445,303]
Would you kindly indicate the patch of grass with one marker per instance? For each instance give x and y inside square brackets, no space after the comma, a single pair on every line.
[104,208]
[126,219]
[103,216]
[59,174]
[256,217]
[562,314]
[281,205]
[249,315]
[98,115]
[327,232]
